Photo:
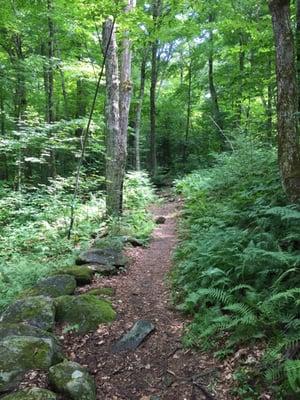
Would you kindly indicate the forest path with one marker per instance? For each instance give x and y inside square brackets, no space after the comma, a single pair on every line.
[160,368]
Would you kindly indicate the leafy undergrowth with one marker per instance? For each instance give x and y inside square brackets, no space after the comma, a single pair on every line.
[34,225]
[237,269]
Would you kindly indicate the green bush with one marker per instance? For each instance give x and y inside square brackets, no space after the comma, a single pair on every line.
[237,269]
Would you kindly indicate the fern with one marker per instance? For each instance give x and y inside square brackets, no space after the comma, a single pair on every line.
[237,268]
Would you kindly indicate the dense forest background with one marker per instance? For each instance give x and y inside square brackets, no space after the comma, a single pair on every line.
[205,97]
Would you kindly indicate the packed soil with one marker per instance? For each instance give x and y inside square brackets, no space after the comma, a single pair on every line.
[160,368]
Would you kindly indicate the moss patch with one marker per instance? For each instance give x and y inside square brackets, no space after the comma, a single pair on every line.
[31,394]
[82,274]
[84,311]
[105,291]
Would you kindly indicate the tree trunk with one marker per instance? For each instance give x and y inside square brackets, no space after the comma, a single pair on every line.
[20,98]
[287,102]
[156,5]
[2,110]
[241,79]
[80,98]
[188,113]
[212,89]
[50,73]
[114,143]
[125,91]
[298,48]
[138,117]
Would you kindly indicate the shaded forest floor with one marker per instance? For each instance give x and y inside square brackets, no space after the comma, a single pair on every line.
[161,368]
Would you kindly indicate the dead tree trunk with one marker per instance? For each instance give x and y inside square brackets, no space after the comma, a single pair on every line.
[287,102]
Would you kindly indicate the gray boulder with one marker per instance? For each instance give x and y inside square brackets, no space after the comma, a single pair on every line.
[106,256]
[72,380]
[54,286]
[36,311]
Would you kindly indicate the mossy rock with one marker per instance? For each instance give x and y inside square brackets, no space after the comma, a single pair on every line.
[31,394]
[72,380]
[85,312]
[82,274]
[37,311]
[104,291]
[54,286]
[22,329]
[105,256]
[19,354]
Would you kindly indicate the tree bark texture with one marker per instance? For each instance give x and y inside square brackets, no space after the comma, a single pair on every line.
[125,92]
[212,89]
[138,116]
[298,48]
[156,10]
[287,102]
[115,152]
[188,114]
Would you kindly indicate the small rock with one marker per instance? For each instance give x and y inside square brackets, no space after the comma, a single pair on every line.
[133,241]
[23,353]
[105,270]
[82,274]
[31,394]
[36,311]
[168,380]
[132,339]
[85,312]
[160,220]
[105,256]
[72,380]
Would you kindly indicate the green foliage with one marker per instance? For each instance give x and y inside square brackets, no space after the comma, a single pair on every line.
[238,265]
[34,224]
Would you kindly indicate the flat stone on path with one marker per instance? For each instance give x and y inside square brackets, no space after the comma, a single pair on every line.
[132,339]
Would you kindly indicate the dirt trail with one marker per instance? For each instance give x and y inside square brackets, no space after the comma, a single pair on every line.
[160,368]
